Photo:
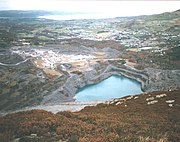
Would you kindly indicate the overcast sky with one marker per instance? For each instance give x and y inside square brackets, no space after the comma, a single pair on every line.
[119,8]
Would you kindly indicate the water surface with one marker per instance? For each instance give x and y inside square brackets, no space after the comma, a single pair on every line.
[112,87]
[77,16]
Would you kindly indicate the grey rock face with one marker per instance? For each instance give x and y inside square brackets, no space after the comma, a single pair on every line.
[150,79]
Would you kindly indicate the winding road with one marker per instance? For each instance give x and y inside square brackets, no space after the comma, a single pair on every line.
[10,65]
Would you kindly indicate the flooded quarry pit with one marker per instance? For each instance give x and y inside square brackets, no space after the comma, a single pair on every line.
[110,88]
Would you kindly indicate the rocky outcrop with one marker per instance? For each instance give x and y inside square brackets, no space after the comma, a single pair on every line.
[150,79]
[162,80]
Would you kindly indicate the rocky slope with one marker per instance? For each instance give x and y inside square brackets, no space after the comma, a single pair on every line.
[150,79]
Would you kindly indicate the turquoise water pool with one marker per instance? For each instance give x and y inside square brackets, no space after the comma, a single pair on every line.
[112,87]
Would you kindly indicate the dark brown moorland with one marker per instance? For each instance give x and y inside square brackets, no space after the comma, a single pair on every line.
[152,117]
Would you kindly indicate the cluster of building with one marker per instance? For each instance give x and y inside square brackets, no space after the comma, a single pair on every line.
[50,59]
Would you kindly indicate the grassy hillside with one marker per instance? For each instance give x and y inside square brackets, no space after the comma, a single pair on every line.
[145,118]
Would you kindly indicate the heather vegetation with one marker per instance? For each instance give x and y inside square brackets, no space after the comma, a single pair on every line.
[130,119]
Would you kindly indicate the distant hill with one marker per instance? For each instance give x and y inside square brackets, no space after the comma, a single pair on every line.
[32,13]
[22,13]
[164,16]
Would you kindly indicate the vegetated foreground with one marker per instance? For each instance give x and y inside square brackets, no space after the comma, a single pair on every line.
[146,117]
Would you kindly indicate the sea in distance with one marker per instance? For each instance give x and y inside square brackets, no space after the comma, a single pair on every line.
[77,15]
